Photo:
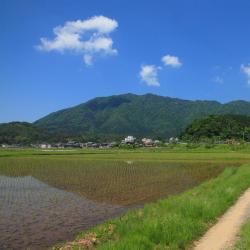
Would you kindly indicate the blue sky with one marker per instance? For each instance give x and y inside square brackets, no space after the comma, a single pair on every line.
[185,49]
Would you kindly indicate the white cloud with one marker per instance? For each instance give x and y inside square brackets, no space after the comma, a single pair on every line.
[88,59]
[87,37]
[149,75]
[246,71]
[218,79]
[172,61]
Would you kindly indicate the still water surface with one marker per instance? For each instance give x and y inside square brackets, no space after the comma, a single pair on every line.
[35,215]
[45,201]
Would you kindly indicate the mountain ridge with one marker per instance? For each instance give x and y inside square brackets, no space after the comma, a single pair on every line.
[140,115]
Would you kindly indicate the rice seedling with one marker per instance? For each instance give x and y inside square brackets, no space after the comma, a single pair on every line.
[76,191]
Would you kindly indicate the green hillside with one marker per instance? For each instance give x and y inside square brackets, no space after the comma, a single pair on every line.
[218,127]
[145,115]
[21,132]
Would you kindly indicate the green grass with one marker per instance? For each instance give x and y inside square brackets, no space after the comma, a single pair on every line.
[175,222]
[243,243]
[174,152]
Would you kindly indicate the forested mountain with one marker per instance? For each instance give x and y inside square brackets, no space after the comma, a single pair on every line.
[219,127]
[139,115]
[21,132]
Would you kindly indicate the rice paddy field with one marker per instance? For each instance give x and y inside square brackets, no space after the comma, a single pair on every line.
[48,197]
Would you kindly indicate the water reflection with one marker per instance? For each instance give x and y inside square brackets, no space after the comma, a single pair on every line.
[35,215]
[44,201]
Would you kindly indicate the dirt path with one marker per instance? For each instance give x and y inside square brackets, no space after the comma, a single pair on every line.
[223,234]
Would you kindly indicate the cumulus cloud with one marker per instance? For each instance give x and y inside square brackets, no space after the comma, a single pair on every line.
[172,61]
[149,75]
[87,37]
[246,71]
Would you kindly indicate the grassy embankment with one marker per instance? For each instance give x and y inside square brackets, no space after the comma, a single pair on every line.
[243,243]
[172,223]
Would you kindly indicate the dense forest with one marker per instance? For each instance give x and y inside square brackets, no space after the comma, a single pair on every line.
[146,115]
[213,127]
[111,118]
[21,133]
[25,133]
[218,127]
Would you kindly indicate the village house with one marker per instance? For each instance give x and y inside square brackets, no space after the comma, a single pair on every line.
[129,140]
[173,140]
[44,146]
[147,142]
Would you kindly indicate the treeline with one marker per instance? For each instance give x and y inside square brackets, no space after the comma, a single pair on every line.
[210,129]
[25,133]
[218,128]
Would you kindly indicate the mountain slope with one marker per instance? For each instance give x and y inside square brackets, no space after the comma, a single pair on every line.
[145,115]
[21,132]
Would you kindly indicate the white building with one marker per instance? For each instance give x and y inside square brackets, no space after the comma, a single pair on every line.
[43,146]
[173,140]
[129,139]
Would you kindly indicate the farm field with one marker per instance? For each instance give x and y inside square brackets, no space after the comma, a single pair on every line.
[53,195]
[176,222]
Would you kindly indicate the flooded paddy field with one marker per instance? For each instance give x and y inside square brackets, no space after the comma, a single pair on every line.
[35,215]
[49,199]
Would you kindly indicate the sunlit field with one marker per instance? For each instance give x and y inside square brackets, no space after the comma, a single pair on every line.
[51,196]
[113,182]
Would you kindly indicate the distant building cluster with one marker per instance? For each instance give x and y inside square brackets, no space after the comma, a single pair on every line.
[129,140]
[75,144]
